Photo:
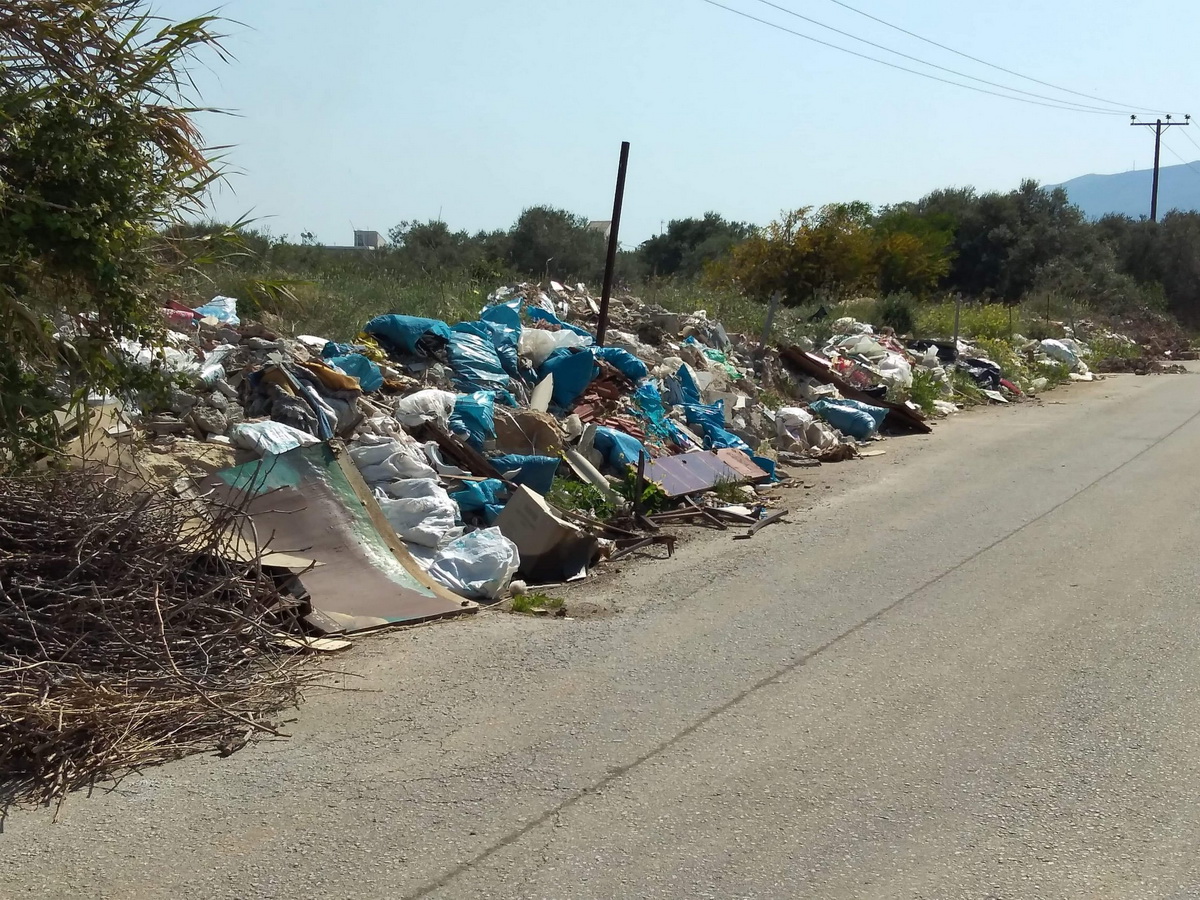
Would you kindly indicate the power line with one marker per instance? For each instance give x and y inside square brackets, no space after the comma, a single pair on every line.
[1171,150]
[984,62]
[923,62]
[1192,139]
[890,65]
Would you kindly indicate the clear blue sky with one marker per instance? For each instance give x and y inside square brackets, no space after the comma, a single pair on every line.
[363,113]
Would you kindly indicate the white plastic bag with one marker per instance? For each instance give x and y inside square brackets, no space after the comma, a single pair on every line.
[896,371]
[479,564]
[426,406]
[265,438]
[798,428]
[1060,351]
[390,459]
[418,509]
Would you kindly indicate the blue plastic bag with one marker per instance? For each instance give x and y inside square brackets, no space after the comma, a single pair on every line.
[475,416]
[474,360]
[223,309]
[717,438]
[619,449]
[536,312]
[624,362]
[649,403]
[370,378]
[573,371]
[535,472]
[402,333]
[332,348]
[859,420]
[483,497]
[712,415]
[506,314]
[688,386]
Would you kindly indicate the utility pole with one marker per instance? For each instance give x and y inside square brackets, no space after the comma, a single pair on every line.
[1159,126]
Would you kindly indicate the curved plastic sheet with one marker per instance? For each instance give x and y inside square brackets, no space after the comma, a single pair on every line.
[312,503]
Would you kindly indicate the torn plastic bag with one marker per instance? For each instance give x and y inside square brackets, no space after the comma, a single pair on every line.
[358,366]
[333,348]
[619,449]
[506,314]
[649,403]
[223,309]
[687,385]
[573,371]
[717,438]
[418,509]
[710,415]
[473,357]
[212,369]
[409,335]
[477,565]
[535,472]
[486,498]
[859,420]
[539,314]
[267,438]
[624,362]
[983,372]
[426,406]
[474,417]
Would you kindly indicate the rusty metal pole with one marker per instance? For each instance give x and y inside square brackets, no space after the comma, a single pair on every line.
[611,264]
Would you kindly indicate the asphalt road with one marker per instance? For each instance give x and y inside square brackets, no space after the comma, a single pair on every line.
[970,671]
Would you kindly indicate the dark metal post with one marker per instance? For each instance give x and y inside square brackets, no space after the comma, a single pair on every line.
[611,264]
[1154,190]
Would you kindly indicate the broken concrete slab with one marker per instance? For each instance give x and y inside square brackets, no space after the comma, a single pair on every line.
[552,549]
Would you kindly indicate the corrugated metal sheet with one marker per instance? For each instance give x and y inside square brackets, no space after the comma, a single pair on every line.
[689,473]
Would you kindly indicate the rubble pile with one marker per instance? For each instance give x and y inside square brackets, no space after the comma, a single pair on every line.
[490,446]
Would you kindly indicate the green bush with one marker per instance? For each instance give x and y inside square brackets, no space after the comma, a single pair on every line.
[898,312]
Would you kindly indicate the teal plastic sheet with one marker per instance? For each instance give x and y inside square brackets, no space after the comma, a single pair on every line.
[624,362]
[483,498]
[535,472]
[475,416]
[474,360]
[573,371]
[405,333]
[859,420]
[370,378]
[619,449]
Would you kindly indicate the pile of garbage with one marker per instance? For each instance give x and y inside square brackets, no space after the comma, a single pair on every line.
[515,447]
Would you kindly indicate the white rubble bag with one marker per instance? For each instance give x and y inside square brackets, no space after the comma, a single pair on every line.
[798,429]
[380,459]
[418,509]
[426,406]
[477,565]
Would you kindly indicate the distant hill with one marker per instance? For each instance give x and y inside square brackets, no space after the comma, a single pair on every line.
[1129,192]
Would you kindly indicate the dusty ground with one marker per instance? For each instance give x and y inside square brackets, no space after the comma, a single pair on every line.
[968,670]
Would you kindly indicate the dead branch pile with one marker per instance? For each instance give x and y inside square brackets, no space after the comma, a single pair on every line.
[126,639]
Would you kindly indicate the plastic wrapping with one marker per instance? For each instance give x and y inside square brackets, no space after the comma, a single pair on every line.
[267,438]
[537,344]
[477,565]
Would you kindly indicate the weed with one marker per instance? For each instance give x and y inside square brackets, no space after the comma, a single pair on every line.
[729,491]
[926,387]
[771,399]
[580,497]
[986,320]
[1102,348]
[531,604]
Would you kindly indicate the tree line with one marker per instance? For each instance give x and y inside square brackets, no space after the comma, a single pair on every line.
[994,246]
